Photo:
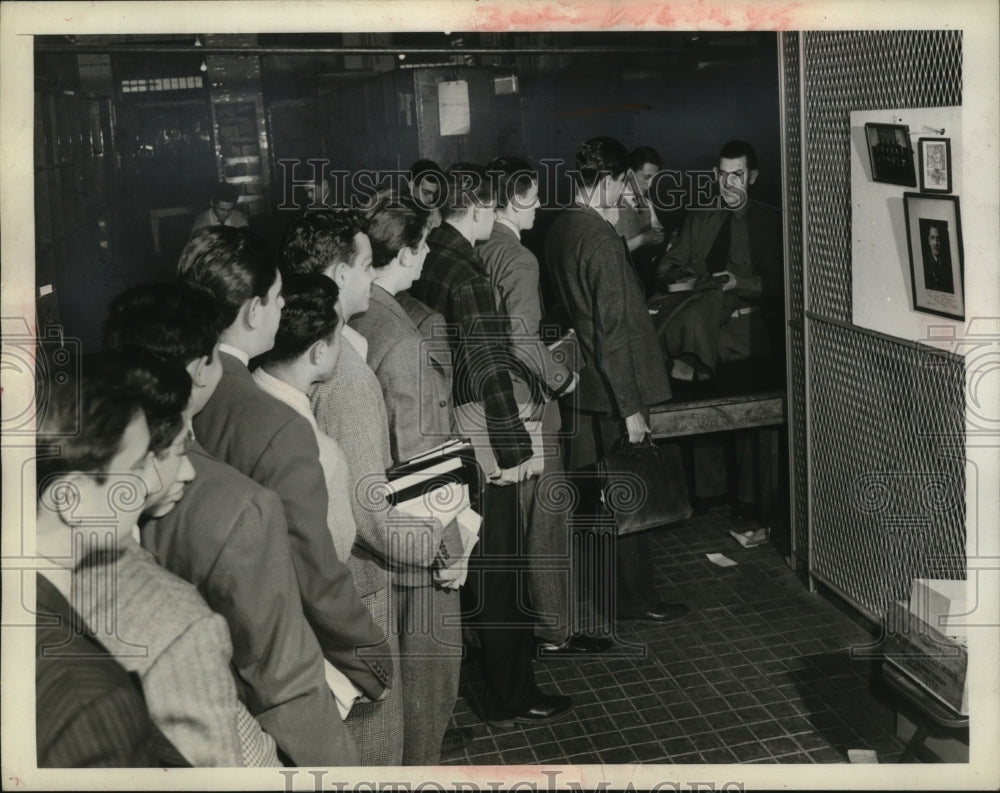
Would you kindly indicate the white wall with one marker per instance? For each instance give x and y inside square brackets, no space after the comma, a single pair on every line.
[881,290]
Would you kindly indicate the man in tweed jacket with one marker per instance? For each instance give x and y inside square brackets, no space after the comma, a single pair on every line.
[454,283]
[228,537]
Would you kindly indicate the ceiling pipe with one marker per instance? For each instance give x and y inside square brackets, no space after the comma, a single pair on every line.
[105,49]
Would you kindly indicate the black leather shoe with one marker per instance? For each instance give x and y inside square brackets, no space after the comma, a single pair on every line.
[455,740]
[580,644]
[546,708]
[661,612]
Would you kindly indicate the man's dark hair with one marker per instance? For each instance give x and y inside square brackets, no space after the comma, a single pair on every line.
[177,321]
[641,155]
[316,239]
[84,410]
[514,177]
[164,390]
[233,264]
[421,168]
[468,186]
[225,192]
[735,149]
[396,222]
[307,317]
[600,157]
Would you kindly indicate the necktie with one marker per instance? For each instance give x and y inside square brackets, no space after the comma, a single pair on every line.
[718,257]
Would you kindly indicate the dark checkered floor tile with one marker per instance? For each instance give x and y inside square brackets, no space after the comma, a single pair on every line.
[758,672]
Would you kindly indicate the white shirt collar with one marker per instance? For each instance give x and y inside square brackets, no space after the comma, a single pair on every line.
[284,392]
[223,347]
[357,341]
[511,226]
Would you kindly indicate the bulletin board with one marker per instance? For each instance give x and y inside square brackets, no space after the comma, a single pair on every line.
[882,285]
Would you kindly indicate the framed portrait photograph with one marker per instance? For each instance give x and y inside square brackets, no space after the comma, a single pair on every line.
[934,155]
[934,240]
[890,153]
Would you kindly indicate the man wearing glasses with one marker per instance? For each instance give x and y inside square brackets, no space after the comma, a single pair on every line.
[726,267]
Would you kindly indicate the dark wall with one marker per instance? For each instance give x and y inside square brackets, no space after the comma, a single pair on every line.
[685,115]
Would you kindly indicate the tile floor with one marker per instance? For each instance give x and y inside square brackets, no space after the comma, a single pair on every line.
[758,673]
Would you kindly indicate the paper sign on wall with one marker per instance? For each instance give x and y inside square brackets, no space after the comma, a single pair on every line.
[453,107]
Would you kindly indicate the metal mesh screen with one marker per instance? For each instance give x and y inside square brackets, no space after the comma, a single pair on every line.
[888,493]
[793,265]
[860,70]
[886,481]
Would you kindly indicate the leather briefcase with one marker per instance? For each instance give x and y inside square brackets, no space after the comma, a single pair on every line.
[643,486]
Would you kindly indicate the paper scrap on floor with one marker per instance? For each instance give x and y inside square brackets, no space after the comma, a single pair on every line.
[862,756]
[720,559]
[752,537]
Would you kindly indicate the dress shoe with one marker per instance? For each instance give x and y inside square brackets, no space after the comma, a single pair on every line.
[580,644]
[455,740]
[661,612]
[545,708]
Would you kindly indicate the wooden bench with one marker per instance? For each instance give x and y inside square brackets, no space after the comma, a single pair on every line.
[747,395]
[717,414]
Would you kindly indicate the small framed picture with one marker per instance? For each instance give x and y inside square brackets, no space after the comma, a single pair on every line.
[934,240]
[935,164]
[891,153]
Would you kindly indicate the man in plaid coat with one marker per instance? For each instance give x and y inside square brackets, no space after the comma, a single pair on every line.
[454,282]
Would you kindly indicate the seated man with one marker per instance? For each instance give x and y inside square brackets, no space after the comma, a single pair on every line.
[712,321]
[222,210]
[228,537]
[89,712]
[727,266]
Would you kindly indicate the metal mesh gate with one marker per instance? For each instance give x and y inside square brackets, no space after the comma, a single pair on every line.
[885,467]
[792,146]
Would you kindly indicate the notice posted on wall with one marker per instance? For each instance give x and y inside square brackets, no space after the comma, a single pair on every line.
[453,107]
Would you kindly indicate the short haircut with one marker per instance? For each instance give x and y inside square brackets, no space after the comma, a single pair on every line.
[641,155]
[514,176]
[84,409]
[233,264]
[316,239]
[600,157]
[177,321]
[396,222]
[734,149]
[421,168]
[468,187]
[223,191]
[307,317]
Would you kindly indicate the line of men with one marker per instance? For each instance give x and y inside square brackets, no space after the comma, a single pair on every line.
[235,537]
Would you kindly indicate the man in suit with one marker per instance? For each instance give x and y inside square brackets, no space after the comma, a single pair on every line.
[624,372]
[89,711]
[741,240]
[937,263]
[276,447]
[228,536]
[454,283]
